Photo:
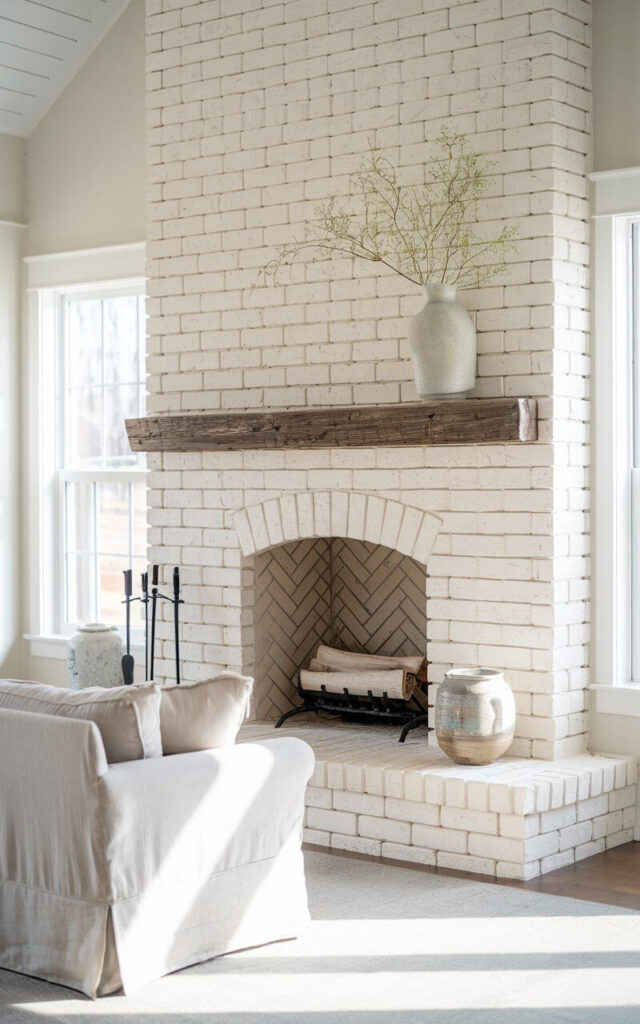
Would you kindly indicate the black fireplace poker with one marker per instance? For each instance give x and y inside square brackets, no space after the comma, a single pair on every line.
[154,605]
[152,598]
[144,587]
[176,605]
[127,659]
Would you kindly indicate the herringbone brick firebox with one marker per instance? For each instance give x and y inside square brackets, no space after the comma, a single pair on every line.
[361,596]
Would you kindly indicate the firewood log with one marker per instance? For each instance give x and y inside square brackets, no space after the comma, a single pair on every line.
[396,683]
[344,661]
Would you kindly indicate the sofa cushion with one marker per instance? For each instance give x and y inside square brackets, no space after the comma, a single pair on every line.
[202,715]
[128,717]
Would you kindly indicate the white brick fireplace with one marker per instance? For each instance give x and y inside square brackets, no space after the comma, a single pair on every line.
[257,110]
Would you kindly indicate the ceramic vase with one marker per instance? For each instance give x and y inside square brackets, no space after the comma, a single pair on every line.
[475,715]
[443,345]
[94,656]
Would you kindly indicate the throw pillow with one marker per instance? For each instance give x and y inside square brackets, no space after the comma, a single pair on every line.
[202,715]
[128,717]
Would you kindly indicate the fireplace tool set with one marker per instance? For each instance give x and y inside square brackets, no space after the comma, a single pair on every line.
[147,599]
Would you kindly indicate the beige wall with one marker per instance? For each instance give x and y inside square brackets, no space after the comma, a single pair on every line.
[616,84]
[86,171]
[11,645]
[85,179]
[12,167]
[13,154]
[615,734]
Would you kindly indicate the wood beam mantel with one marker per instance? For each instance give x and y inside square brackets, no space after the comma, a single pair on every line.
[474,421]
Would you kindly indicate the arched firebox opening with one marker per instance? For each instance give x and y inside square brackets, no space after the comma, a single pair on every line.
[352,592]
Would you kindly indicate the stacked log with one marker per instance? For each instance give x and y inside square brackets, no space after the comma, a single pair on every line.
[361,674]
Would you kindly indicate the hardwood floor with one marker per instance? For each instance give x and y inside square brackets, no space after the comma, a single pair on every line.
[612,877]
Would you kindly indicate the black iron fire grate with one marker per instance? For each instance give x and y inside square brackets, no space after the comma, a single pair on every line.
[371,708]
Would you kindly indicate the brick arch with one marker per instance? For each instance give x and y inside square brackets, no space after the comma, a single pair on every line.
[354,514]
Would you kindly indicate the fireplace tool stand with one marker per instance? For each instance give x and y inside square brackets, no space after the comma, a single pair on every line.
[151,596]
[374,708]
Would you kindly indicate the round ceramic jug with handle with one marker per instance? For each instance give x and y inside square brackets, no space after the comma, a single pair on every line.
[94,656]
[443,345]
[475,715]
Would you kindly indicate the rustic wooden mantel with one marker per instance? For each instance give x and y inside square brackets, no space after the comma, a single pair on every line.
[474,421]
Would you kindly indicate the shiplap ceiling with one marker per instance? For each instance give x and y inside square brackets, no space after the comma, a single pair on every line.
[43,43]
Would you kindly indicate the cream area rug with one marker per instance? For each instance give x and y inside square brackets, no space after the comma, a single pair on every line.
[391,945]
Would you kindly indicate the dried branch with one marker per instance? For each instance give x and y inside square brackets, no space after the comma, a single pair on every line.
[423,233]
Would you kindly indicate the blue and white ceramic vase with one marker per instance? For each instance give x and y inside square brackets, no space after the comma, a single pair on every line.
[94,656]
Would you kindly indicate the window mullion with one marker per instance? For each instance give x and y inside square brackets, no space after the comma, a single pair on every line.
[634,321]
[635,575]
[130,510]
[62,558]
[634,490]
[96,588]
[120,476]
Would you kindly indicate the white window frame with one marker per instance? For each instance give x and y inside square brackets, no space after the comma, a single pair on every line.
[616,492]
[47,278]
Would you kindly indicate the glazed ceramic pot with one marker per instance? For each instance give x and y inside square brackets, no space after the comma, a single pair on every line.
[443,345]
[94,656]
[475,715]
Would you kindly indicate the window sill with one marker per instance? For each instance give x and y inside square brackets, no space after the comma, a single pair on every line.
[55,646]
[616,700]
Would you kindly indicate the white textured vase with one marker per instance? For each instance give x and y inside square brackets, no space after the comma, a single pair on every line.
[443,345]
[94,656]
[475,715]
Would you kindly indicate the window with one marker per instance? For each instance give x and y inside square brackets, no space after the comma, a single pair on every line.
[633,298]
[86,489]
[101,482]
[616,436]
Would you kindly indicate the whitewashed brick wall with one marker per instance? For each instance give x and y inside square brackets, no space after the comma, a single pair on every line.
[256,111]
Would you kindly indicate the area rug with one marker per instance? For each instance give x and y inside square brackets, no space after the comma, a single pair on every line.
[391,945]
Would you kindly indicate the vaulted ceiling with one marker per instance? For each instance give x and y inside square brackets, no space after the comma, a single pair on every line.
[43,43]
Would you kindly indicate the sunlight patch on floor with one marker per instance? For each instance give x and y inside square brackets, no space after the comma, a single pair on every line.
[408,946]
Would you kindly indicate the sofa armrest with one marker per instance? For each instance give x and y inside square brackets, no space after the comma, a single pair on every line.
[178,819]
[49,829]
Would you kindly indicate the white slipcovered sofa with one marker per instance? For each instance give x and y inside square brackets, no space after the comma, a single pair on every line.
[114,874]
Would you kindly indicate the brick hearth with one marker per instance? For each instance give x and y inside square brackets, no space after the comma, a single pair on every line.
[513,819]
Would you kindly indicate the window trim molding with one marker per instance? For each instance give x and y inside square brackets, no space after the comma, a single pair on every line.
[44,275]
[616,203]
[91,266]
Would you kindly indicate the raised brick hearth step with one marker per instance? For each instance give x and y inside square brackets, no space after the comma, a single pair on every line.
[517,818]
